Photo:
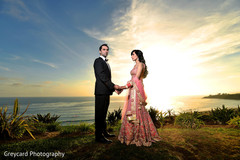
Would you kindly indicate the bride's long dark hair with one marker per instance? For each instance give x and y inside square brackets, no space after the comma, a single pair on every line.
[141,59]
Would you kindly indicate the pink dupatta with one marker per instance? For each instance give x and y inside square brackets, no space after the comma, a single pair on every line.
[137,95]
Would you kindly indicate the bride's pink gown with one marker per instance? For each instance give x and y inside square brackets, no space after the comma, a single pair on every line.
[137,126]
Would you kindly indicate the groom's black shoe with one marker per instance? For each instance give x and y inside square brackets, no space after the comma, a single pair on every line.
[106,134]
[103,140]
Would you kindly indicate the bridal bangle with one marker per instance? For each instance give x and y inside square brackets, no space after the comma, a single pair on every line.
[128,85]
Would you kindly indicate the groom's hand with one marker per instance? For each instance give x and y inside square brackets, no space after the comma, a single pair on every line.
[118,91]
[116,87]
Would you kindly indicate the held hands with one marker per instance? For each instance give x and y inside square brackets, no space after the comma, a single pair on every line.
[119,89]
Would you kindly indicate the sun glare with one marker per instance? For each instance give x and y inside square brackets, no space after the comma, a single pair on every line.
[171,73]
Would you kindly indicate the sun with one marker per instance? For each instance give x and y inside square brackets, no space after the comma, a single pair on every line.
[171,73]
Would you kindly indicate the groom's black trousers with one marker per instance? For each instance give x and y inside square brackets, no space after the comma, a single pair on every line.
[101,108]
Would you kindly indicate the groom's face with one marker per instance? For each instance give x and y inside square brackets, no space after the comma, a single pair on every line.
[104,51]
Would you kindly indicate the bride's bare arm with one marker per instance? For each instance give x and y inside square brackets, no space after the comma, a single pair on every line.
[139,70]
[123,87]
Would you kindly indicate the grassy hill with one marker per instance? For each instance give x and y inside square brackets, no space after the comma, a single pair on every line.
[208,142]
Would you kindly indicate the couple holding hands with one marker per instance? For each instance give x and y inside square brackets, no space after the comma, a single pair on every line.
[119,89]
[137,126]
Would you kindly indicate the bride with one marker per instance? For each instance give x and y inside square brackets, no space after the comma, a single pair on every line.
[137,126]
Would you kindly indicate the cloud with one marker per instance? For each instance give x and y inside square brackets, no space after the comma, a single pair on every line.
[146,23]
[14,57]
[36,85]
[216,38]
[3,78]
[177,39]
[16,84]
[47,82]
[4,68]
[11,79]
[17,9]
[45,63]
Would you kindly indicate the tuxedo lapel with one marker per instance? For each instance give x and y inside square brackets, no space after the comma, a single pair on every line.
[107,65]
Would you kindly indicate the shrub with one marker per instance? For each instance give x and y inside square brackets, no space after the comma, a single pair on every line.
[118,114]
[85,127]
[222,114]
[161,118]
[206,118]
[237,112]
[235,121]
[39,128]
[114,117]
[43,123]
[170,116]
[46,118]
[55,126]
[188,120]
[14,125]
[157,117]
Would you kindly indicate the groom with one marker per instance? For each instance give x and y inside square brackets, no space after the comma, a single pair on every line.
[104,87]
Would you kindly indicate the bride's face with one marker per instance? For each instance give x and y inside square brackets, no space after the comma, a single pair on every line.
[134,56]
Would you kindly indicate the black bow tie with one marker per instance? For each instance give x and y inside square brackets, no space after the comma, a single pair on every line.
[106,59]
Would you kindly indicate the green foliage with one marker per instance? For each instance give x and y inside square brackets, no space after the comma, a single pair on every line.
[170,113]
[39,127]
[153,114]
[117,126]
[85,127]
[157,117]
[170,116]
[235,121]
[82,128]
[114,117]
[46,118]
[237,111]
[43,123]
[223,114]
[189,120]
[161,118]
[208,119]
[14,125]
[54,126]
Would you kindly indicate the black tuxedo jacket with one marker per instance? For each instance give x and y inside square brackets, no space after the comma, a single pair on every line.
[103,84]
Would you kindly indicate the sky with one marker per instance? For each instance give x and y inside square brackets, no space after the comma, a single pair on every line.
[48,47]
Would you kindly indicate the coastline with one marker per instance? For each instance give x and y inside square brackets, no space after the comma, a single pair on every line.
[235,96]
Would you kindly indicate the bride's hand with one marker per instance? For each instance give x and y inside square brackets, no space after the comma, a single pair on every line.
[129,84]
[123,87]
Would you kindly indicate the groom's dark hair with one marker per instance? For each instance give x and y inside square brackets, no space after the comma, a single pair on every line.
[100,48]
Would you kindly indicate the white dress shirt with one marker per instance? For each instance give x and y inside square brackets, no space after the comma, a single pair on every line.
[106,62]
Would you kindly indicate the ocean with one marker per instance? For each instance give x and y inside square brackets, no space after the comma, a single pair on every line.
[73,110]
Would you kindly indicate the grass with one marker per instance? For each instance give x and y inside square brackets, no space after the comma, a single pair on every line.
[82,128]
[210,142]
[205,143]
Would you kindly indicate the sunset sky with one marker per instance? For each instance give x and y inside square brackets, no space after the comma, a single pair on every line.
[47,47]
